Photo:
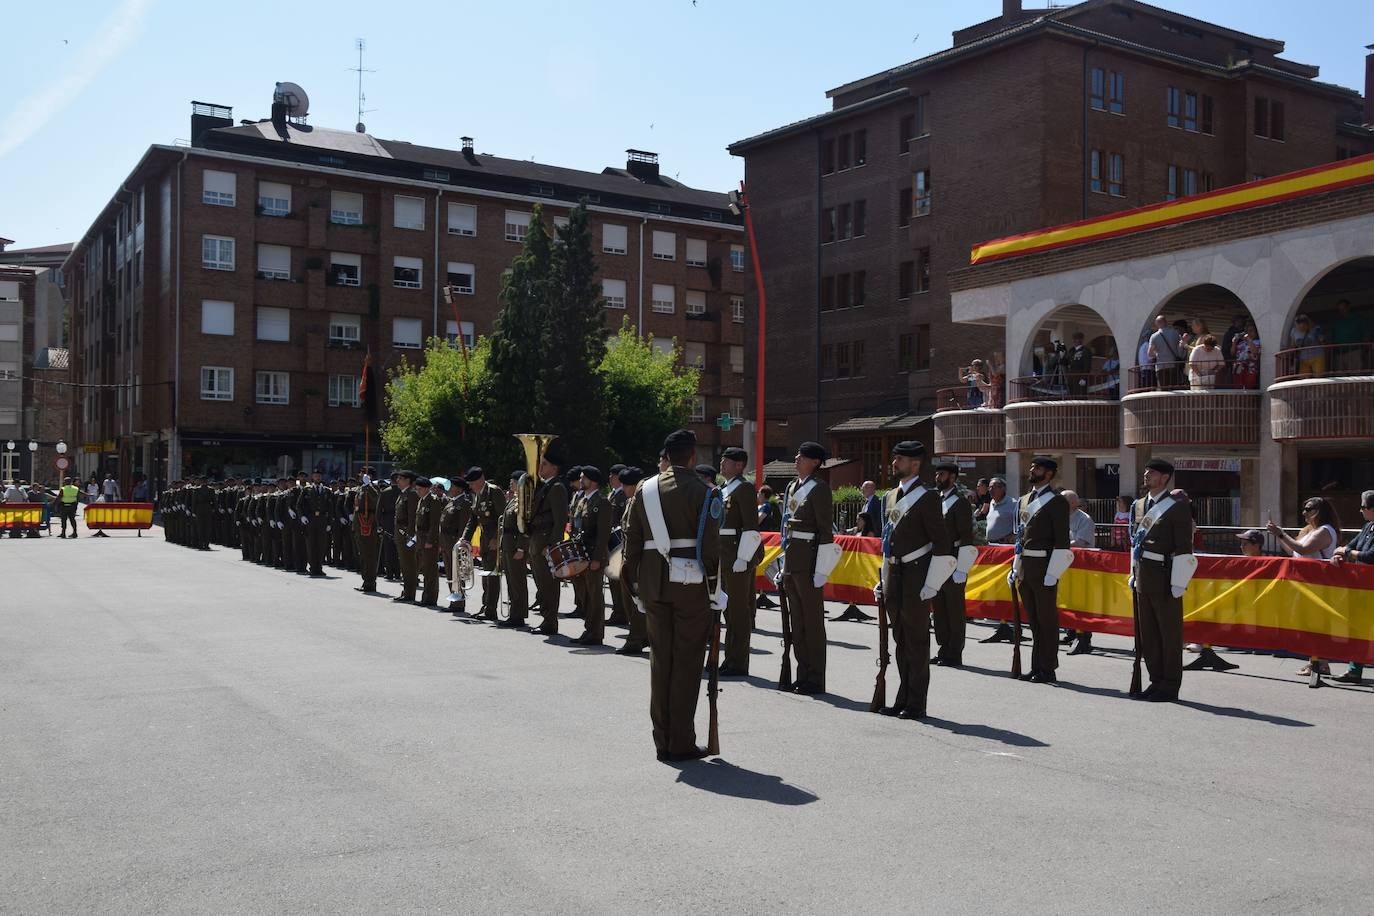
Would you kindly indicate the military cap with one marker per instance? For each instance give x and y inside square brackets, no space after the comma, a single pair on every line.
[735,453]
[423,482]
[946,465]
[474,473]
[909,448]
[631,476]
[1160,465]
[617,468]
[1045,461]
[813,450]
[706,470]
[679,438]
[516,475]
[593,474]
[407,474]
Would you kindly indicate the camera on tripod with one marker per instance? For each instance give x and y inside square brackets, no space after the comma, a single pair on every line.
[1058,347]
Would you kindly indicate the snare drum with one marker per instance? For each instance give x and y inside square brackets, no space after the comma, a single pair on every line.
[567,559]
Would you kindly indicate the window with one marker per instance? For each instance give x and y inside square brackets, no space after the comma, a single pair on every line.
[345,269]
[216,383]
[694,354]
[827,294]
[434,174]
[737,408]
[9,332]
[906,279]
[409,212]
[217,317]
[216,252]
[1269,120]
[1095,171]
[860,217]
[462,277]
[274,324]
[517,225]
[273,388]
[922,192]
[842,156]
[274,198]
[1116,92]
[737,258]
[345,208]
[846,221]
[737,309]
[827,225]
[559,222]
[842,291]
[696,252]
[827,361]
[906,130]
[1207,114]
[904,207]
[613,239]
[665,245]
[856,289]
[664,297]
[860,147]
[1173,106]
[343,391]
[921,129]
[698,409]
[405,272]
[663,346]
[696,302]
[849,359]
[613,292]
[218,188]
[737,360]
[9,372]
[906,350]
[9,290]
[345,330]
[827,157]
[1097,89]
[451,329]
[923,270]
[9,416]
[921,351]
[1190,111]
[462,219]
[406,333]
[274,262]
[1116,175]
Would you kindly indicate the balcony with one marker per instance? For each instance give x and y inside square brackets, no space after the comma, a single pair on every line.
[965,429]
[1067,412]
[1174,404]
[1323,392]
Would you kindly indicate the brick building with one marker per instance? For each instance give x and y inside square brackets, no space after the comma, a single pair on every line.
[1030,119]
[34,375]
[228,292]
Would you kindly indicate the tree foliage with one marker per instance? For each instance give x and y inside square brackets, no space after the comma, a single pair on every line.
[648,395]
[439,411]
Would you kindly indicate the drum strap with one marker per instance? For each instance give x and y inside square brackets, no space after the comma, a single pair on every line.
[653,510]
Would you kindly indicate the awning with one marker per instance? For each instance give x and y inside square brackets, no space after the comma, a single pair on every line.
[880,422]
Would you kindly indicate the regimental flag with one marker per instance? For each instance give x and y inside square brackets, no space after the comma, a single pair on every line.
[367,395]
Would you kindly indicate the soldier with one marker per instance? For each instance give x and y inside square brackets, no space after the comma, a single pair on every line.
[282,516]
[404,534]
[917,559]
[367,529]
[514,546]
[707,473]
[427,512]
[488,504]
[592,527]
[1042,556]
[203,507]
[314,511]
[300,549]
[617,500]
[243,501]
[949,618]
[453,520]
[741,549]
[1162,565]
[574,479]
[809,555]
[671,563]
[637,640]
[546,527]
[386,516]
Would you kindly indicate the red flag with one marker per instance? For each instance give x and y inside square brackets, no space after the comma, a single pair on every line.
[366,396]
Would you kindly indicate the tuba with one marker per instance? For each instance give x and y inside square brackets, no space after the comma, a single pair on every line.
[535,445]
[463,573]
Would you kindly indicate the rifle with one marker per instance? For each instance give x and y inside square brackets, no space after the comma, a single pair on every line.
[1016,630]
[1135,630]
[880,684]
[713,687]
[785,676]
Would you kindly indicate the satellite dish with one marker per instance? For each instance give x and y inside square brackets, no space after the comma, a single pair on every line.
[294,98]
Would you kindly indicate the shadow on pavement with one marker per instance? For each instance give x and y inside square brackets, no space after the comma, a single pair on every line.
[1235,712]
[722,778]
[1015,739]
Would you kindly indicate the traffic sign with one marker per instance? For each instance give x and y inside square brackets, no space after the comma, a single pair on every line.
[63,462]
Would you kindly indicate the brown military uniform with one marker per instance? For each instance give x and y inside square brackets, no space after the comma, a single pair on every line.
[807,525]
[592,527]
[635,619]
[367,533]
[618,501]
[912,539]
[679,613]
[1041,534]
[949,618]
[453,520]
[740,515]
[1160,613]
[512,569]
[547,527]
[488,504]
[427,544]
[407,504]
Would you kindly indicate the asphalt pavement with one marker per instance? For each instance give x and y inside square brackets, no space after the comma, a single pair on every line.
[182,732]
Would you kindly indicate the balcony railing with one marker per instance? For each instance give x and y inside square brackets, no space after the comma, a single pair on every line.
[1064,425]
[961,429]
[1065,386]
[1325,361]
[962,398]
[1240,375]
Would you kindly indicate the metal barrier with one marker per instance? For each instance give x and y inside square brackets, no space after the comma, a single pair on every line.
[119,516]
[21,516]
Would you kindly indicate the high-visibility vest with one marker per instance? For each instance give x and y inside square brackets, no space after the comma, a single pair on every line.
[70,494]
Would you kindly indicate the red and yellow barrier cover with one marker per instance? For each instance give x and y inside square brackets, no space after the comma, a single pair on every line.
[1276,603]
[21,515]
[119,515]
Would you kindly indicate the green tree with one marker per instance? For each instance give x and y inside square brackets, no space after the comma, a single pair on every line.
[575,343]
[519,339]
[439,413]
[648,395]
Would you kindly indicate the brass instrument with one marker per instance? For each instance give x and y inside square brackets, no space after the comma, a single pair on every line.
[536,445]
[463,571]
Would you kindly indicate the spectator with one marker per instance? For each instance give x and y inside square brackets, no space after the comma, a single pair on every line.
[982,498]
[769,517]
[1111,368]
[1350,329]
[1204,364]
[1308,338]
[1197,329]
[1145,362]
[15,494]
[864,526]
[1001,512]
[1359,550]
[1228,339]
[1316,541]
[978,385]
[1121,523]
[68,497]
[109,490]
[1251,543]
[1247,346]
[92,490]
[1166,353]
[872,507]
[140,494]
[1079,364]
[997,372]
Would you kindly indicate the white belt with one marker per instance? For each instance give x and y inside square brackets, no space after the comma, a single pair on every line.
[915,554]
[1151,555]
[675,542]
[1035,553]
[726,532]
[802,535]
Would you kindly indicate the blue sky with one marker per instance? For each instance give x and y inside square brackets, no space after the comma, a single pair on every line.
[90,85]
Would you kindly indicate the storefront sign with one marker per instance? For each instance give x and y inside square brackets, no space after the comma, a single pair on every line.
[1223,465]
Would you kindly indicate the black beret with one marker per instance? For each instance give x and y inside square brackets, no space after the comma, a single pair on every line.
[680,438]
[409,474]
[813,450]
[909,448]
[592,473]
[951,466]
[617,468]
[516,475]
[423,482]
[1160,465]
[706,470]
[735,453]
[474,473]
[554,458]
[1045,461]
[631,476]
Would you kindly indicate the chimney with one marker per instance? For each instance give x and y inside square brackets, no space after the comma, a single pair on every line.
[642,165]
[206,116]
[468,153]
[1369,85]
[1011,9]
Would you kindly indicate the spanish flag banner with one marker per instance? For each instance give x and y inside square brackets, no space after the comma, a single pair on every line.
[1303,606]
[21,515]
[118,515]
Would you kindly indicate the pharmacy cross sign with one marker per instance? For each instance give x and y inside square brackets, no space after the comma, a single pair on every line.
[726,422]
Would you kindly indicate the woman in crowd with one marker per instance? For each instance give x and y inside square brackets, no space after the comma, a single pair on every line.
[978,384]
[1245,373]
[1121,523]
[1204,362]
[1316,541]
[997,370]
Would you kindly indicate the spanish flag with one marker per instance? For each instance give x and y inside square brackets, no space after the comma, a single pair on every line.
[367,396]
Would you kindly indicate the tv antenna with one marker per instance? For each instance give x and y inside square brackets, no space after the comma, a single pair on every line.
[360,127]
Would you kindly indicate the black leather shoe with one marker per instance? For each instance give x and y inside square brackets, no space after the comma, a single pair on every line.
[727,671]
[541,631]
[509,624]
[808,689]
[888,711]
[696,753]
[1084,647]
[1347,678]
[402,599]
[1068,638]
[629,649]
[1145,694]
[1161,696]
[936,660]
[616,620]
[584,641]
[661,755]
[1001,634]
[1041,677]
[911,714]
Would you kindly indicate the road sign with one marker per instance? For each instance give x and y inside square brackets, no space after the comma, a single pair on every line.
[726,422]
[63,462]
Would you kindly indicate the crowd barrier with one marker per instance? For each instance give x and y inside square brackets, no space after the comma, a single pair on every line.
[99,516]
[1307,607]
[21,516]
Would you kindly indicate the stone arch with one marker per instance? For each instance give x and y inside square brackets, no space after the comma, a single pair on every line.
[1209,306]
[1051,322]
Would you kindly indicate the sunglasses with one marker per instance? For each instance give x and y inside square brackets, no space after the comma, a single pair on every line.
[1307,509]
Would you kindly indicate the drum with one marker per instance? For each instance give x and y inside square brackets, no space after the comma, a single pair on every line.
[567,559]
[613,564]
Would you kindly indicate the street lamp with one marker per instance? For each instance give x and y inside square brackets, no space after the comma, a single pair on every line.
[9,460]
[61,447]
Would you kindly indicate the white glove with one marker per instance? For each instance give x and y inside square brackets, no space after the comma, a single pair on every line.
[819,581]
[927,593]
[1051,581]
[777,581]
[958,577]
[1176,591]
[640,605]
[1011,578]
[719,600]
[410,543]
[740,566]
[1130,583]
[878,592]
[291,512]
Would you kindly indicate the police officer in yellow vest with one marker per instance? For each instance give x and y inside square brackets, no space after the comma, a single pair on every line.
[1162,565]
[68,497]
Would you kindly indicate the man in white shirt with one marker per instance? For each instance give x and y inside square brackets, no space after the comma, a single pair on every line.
[1001,525]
